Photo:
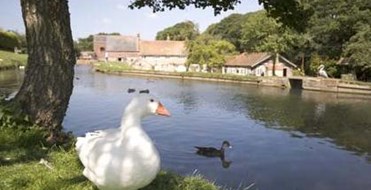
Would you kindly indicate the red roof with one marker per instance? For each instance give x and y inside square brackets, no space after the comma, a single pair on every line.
[163,48]
[253,59]
[248,59]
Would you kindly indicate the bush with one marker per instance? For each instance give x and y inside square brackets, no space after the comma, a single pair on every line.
[12,60]
[331,67]
[8,40]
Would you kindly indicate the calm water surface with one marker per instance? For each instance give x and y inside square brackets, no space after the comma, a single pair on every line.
[10,81]
[281,139]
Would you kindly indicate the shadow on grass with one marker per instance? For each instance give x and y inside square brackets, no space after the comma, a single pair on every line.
[165,180]
[171,181]
[20,146]
[79,180]
[23,156]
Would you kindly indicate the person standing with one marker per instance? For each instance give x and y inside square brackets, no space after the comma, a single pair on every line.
[106,57]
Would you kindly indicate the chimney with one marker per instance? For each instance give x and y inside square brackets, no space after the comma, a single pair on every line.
[138,42]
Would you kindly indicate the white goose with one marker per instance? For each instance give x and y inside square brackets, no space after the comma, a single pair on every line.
[123,158]
[322,71]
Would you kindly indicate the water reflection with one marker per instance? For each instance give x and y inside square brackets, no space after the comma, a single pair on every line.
[187,98]
[10,81]
[283,139]
[212,152]
[315,114]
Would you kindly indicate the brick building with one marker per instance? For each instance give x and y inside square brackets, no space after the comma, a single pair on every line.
[141,54]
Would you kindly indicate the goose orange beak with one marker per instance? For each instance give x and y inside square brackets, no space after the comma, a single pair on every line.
[161,110]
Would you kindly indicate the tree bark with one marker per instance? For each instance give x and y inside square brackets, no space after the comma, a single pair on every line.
[48,81]
[276,60]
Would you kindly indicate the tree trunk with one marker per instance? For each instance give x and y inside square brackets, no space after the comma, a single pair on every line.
[48,81]
[276,60]
[303,62]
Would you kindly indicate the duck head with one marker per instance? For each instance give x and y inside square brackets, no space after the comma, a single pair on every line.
[225,145]
[144,105]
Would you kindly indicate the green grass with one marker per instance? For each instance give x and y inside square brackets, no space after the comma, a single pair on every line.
[112,66]
[355,82]
[11,60]
[22,148]
[118,68]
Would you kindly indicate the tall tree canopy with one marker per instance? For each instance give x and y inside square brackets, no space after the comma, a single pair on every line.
[228,29]
[292,13]
[85,44]
[339,28]
[206,50]
[334,22]
[254,31]
[181,31]
[9,40]
[358,50]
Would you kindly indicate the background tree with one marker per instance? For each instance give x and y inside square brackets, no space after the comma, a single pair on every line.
[334,22]
[256,28]
[263,34]
[292,13]
[206,50]
[228,29]
[331,67]
[334,25]
[9,40]
[179,32]
[85,44]
[358,49]
[326,26]
[112,33]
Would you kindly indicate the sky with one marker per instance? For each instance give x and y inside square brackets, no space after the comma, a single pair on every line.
[94,16]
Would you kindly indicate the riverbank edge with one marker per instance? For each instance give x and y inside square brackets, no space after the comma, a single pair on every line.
[27,162]
[257,81]
[309,83]
[10,60]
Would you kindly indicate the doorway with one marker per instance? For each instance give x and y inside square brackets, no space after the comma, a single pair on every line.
[285,72]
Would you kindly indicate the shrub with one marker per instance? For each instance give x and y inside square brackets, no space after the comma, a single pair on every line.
[8,40]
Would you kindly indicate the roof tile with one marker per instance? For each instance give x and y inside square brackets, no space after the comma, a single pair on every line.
[247,59]
[160,47]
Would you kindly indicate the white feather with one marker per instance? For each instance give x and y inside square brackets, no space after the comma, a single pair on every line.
[122,158]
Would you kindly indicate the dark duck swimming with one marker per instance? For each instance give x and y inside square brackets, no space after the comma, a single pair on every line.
[214,152]
[211,151]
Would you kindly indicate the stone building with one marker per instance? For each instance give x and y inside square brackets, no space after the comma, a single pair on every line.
[161,55]
[258,64]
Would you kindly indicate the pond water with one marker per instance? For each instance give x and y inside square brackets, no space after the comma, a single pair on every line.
[10,81]
[281,139]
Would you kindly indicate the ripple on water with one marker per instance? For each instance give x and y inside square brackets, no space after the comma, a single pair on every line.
[263,125]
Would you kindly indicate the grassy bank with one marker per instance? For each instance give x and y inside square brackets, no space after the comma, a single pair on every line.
[9,60]
[27,162]
[121,68]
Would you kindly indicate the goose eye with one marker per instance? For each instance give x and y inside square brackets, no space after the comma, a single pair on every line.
[151,100]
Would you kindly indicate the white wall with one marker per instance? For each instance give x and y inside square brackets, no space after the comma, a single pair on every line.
[261,70]
[161,63]
[236,70]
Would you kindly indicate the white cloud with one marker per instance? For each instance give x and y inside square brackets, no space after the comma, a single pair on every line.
[122,7]
[152,15]
[106,21]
